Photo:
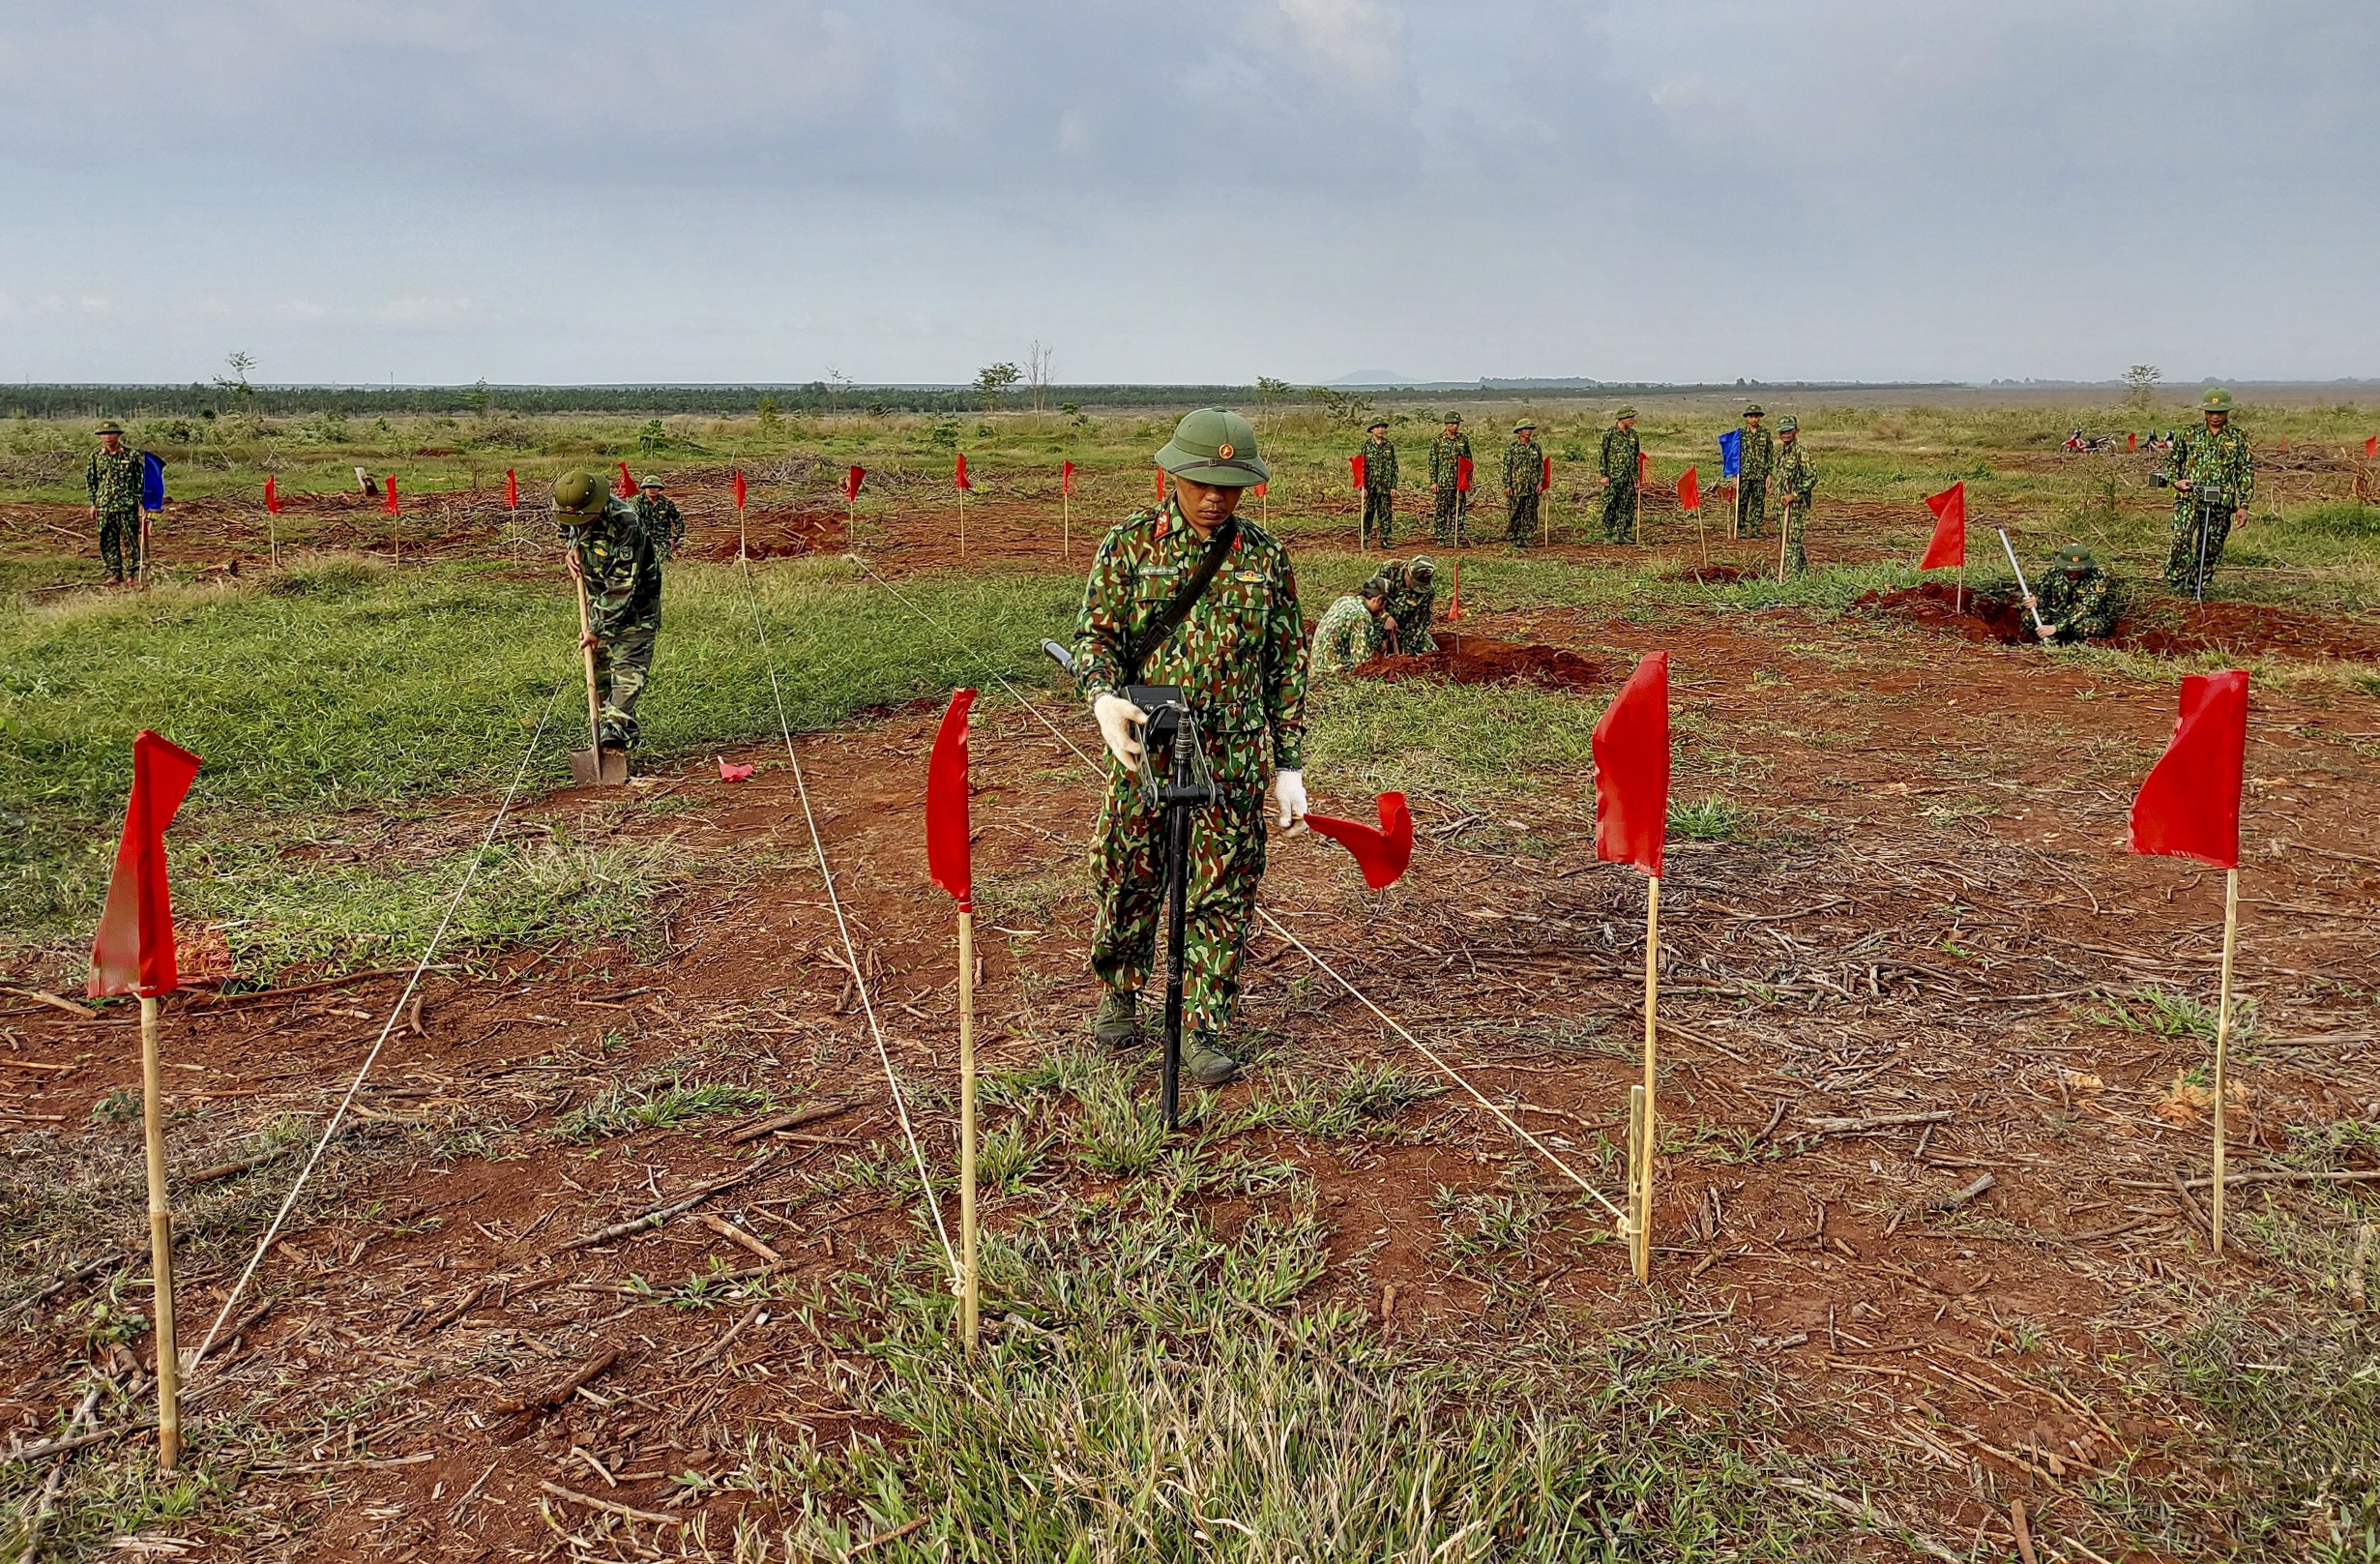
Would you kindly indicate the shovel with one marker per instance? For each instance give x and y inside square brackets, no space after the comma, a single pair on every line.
[594,766]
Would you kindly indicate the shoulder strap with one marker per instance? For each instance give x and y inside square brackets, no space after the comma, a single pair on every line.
[1184,598]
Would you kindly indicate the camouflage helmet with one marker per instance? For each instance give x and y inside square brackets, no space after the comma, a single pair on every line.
[1420,571]
[1216,447]
[1376,587]
[580,493]
[1788,425]
[2073,560]
[2217,401]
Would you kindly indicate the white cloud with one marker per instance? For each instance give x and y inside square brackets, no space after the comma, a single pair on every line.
[1360,39]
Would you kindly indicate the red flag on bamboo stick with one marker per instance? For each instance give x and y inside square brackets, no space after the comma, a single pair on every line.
[1381,854]
[1462,474]
[958,475]
[851,483]
[1066,478]
[1454,605]
[388,495]
[2372,445]
[625,487]
[1545,475]
[1644,469]
[512,489]
[1689,491]
[272,495]
[2131,440]
[2190,805]
[1949,545]
[947,859]
[133,952]
[739,488]
[1632,769]
[1358,465]
[1260,488]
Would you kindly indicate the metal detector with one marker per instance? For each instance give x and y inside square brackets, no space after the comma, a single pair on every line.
[2206,504]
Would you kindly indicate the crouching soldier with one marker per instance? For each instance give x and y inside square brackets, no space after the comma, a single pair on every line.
[1413,594]
[2079,601]
[617,560]
[1191,595]
[1354,629]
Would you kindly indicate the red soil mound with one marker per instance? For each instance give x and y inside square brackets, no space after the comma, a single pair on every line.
[1480,660]
[784,535]
[1985,618]
[2163,628]
[1714,574]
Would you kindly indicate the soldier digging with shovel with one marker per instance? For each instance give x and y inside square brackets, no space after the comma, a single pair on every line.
[614,560]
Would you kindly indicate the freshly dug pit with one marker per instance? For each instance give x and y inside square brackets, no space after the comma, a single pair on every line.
[2163,627]
[1484,660]
[1987,617]
[784,535]
[1716,574]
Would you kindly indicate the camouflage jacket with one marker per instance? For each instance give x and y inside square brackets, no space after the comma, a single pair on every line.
[622,569]
[1524,463]
[1759,453]
[114,481]
[1795,475]
[1240,655]
[1411,606]
[1446,459]
[2083,608]
[1616,458]
[1349,634]
[2217,458]
[664,522]
[1379,464]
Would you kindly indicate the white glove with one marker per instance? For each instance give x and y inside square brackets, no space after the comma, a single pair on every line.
[1118,720]
[1289,792]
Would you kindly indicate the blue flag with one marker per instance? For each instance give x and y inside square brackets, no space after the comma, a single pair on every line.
[1731,454]
[151,481]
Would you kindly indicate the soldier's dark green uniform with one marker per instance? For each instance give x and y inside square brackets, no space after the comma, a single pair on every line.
[1524,468]
[1617,461]
[2077,601]
[1447,454]
[620,561]
[1752,482]
[1412,597]
[1379,486]
[2214,462]
[1796,478]
[664,522]
[1350,632]
[1240,658]
[114,478]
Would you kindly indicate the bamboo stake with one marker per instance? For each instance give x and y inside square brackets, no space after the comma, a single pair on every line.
[971,1291]
[2222,1039]
[1702,532]
[145,547]
[1652,1006]
[1066,525]
[161,1245]
[962,523]
[594,704]
[1958,598]
[1784,535]
[743,539]
[1639,1183]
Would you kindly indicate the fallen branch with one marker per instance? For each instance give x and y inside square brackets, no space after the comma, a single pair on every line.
[78,1274]
[587,1373]
[59,1447]
[882,1537]
[1878,1121]
[1868,1517]
[2232,1180]
[611,1507]
[1952,1202]
[662,1213]
[787,1121]
[55,1002]
[718,1348]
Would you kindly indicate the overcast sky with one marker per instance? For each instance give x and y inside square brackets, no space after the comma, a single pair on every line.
[573,190]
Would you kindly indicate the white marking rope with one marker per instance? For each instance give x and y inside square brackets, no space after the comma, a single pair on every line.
[851,955]
[1358,995]
[429,954]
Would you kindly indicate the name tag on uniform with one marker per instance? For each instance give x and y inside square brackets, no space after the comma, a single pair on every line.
[1161,569]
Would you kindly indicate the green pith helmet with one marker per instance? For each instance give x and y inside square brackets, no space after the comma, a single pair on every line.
[1454,419]
[1376,587]
[1624,415]
[2217,400]
[111,427]
[580,493]
[1216,447]
[1376,423]
[1528,423]
[650,481]
[1420,571]
[1788,425]
[2074,561]
[1753,411]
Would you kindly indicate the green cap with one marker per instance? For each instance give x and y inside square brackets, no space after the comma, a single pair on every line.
[1753,411]
[1376,587]
[1524,424]
[1624,414]
[2072,559]
[111,427]
[1214,446]
[1788,425]
[2217,400]
[580,493]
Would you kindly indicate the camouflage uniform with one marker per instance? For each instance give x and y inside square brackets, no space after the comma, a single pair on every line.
[1753,484]
[1796,478]
[1240,658]
[114,478]
[1411,606]
[1617,459]
[1524,467]
[620,560]
[664,522]
[1446,454]
[1347,636]
[1379,491]
[2209,459]
[2085,605]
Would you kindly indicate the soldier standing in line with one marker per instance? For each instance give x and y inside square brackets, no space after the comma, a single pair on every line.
[1524,466]
[1796,478]
[2079,601]
[1379,484]
[1237,649]
[1617,459]
[1751,513]
[617,563]
[664,522]
[2214,475]
[1354,629]
[1447,454]
[1413,596]
[113,477]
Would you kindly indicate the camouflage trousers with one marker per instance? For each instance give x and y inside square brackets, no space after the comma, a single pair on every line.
[1520,518]
[1795,519]
[1620,512]
[2182,568]
[120,542]
[1379,514]
[1446,522]
[1751,516]
[1128,865]
[623,666]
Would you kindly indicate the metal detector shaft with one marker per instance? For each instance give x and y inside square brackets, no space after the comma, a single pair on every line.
[1177,910]
[2007,549]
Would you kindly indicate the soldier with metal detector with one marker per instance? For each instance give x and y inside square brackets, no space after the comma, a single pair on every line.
[2213,475]
[1191,649]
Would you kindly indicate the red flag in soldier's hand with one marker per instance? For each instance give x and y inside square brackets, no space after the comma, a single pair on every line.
[947,859]
[2190,805]
[133,952]
[1689,491]
[1632,769]
[739,488]
[958,476]
[272,495]
[625,487]
[1382,854]
[851,483]
[1066,478]
[512,489]
[1462,474]
[1357,467]
[1949,546]
[1544,476]
[388,498]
